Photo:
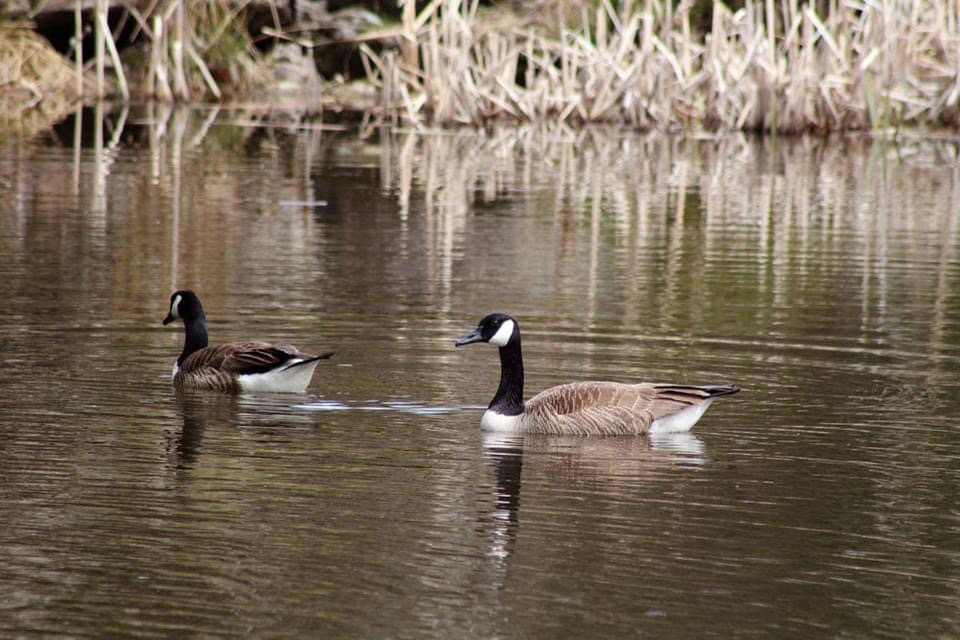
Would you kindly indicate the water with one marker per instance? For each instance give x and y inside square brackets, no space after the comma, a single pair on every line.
[820,275]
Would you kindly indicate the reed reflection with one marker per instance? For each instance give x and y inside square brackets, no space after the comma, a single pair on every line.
[667,217]
[663,217]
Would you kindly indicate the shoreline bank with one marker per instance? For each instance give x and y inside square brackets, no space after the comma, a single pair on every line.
[776,67]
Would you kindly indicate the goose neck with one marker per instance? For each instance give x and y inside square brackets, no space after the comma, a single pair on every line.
[196,337]
[509,397]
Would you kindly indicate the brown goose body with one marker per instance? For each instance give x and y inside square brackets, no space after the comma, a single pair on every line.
[613,408]
[247,366]
[234,366]
[584,408]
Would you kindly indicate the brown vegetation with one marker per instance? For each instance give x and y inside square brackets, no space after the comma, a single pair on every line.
[771,65]
[774,65]
[36,84]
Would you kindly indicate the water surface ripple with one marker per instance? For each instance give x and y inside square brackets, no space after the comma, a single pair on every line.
[821,276]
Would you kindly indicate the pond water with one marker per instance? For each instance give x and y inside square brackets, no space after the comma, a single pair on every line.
[822,276]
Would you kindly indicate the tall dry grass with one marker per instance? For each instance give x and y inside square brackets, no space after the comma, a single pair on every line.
[775,65]
[190,50]
[183,50]
[193,48]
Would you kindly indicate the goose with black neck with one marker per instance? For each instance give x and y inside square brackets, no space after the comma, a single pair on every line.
[584,408]
[234,366]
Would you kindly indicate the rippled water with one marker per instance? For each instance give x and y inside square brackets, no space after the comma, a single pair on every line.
[821,276]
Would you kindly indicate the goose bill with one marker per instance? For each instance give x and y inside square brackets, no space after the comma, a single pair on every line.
[470,338]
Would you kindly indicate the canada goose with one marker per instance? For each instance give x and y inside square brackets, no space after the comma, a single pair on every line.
[583,408]
[234,366]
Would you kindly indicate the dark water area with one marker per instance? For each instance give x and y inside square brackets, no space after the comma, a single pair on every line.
[821,275]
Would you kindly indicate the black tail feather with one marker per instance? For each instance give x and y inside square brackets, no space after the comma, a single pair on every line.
[722,390]
[322,356]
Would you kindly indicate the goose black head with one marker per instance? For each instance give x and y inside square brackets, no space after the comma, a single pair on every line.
[497,329]
[184,305]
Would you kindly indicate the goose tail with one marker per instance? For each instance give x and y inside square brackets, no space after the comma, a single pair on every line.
[300,363]
[717,390]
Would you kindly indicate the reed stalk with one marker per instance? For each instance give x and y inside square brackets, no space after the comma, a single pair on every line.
[177,45]
[114,56]
[184,41]
[99,35]
[78,45]
[158,78]
[408,46]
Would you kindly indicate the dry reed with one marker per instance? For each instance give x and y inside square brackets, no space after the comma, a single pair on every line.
[191,45]
[775,65]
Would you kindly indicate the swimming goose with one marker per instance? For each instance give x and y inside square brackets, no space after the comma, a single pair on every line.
[583,408]
[234,366]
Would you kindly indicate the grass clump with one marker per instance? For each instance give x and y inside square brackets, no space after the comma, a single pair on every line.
[37,85]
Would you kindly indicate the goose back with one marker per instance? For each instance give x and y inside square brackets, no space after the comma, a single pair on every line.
[235,366]
[612,408]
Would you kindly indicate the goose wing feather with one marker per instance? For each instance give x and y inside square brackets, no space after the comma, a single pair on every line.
[257,357]
[608,408]
[673,398]
[240,358]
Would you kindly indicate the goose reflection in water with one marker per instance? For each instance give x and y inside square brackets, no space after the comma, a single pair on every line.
[229,418]
[617,462]
[506,454]
[197,410]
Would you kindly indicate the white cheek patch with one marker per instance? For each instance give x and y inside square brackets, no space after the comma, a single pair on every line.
[502,336]
[175,307]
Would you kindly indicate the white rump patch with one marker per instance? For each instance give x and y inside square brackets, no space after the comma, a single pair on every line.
[493,421]
[175,307]
[285,380]
[502,336]
[682,420]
